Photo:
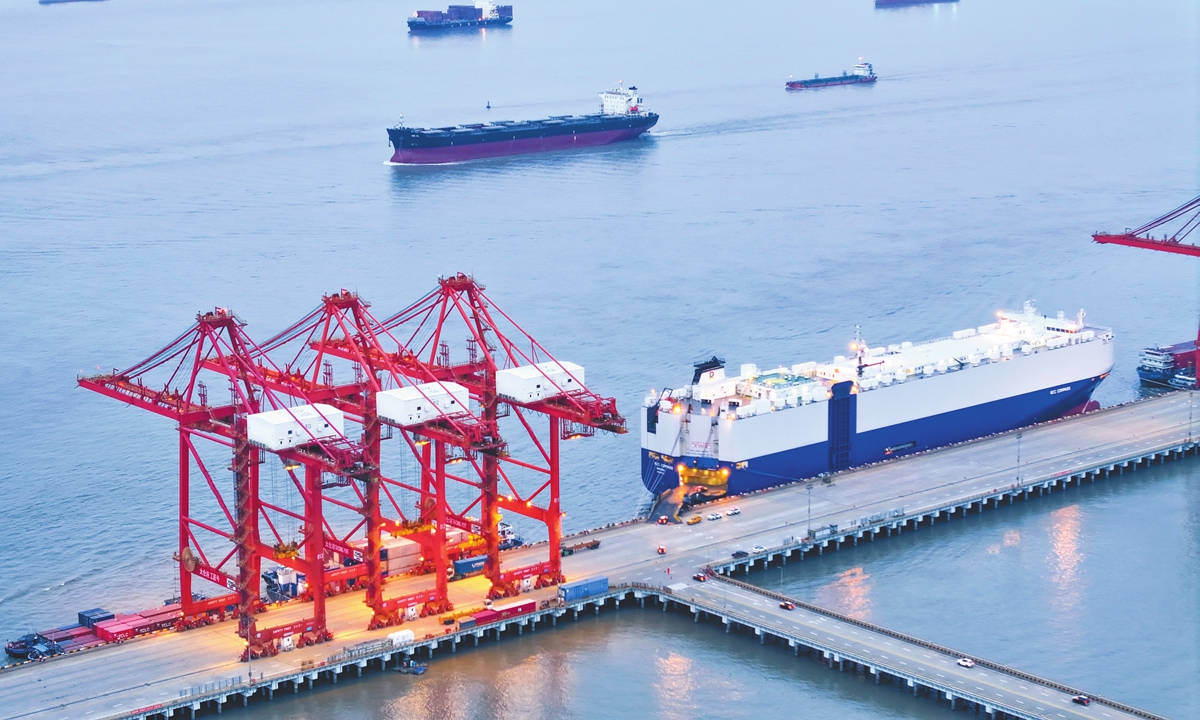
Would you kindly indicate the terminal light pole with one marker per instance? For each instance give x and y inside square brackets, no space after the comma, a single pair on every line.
[810,509]
[1019,458]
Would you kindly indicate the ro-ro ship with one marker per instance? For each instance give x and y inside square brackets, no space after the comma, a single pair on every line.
[734,434]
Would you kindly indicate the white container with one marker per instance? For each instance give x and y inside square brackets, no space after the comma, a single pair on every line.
[422,403]
[536,382]
[300,425]
[401,637]
[396,566]
[287,643]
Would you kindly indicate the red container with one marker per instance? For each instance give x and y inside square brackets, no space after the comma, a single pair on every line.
[515,609]
[57,636]
[87,641]
[78,632]
[485,616]
[114,632]
[141,626]
[163,615]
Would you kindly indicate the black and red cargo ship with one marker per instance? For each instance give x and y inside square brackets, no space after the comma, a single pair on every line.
[621,117]
[460,16]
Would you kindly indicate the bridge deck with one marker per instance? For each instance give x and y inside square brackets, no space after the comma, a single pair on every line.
[117,680]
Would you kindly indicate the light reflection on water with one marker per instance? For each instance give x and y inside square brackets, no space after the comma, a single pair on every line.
[675,678]
[1067,558]
[848,593]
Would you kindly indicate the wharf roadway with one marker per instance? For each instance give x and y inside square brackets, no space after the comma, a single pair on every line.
[115,680]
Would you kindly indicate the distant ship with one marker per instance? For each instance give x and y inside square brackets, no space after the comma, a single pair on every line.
[862,73]
[902,3]
[461,16]
[621,117]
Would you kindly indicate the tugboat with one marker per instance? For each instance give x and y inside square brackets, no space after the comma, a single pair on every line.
[32,647]
[862,73]
[1159,366]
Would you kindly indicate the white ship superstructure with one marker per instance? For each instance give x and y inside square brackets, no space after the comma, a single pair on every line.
[766,427]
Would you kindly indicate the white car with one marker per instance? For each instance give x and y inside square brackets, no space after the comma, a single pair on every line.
[734,511]
[758,549]
[714,516]
[966,662]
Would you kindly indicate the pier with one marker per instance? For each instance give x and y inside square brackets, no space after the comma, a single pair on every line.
[179,674]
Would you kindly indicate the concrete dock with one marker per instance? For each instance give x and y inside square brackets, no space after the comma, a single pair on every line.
[196,670]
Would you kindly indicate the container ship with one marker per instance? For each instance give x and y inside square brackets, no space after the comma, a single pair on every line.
[862,73]
[621,117]
[460,16]
[736,434]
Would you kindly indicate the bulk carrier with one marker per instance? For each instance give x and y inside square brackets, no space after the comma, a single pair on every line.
[621,117]
[736,434]
[862,73]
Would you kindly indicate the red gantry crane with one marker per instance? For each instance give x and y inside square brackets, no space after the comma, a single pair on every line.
[405,383]
[1159,366]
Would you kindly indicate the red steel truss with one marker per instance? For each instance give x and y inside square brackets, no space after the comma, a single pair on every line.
[420,350]
[216,346]
[343,328]
[1141,238]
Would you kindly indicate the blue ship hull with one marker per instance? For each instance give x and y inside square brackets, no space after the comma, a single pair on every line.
[659,472]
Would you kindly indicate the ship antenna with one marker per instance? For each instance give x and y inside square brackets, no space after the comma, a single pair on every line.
[400,122]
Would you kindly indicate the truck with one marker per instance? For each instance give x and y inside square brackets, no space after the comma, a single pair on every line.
[582,589]
[469,566]
[572,549]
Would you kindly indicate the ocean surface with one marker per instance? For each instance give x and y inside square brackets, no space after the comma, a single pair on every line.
[159,158]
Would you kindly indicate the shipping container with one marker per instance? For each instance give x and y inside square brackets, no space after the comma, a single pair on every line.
[535,382]
[281,429]
[113,632]
[484,617]
[401,637]
[504,612]
[466,623]
[581,589]
[421,403]
[89,618]
[468,566]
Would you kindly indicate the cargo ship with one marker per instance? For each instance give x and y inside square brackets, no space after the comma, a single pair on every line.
[1170,366]
[862,73]
[484,14]
[761,428]
[621,117]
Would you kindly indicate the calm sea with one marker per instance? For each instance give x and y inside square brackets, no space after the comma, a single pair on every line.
[162,157]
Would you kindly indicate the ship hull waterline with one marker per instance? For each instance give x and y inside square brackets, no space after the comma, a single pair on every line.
[660,473]
[502,148]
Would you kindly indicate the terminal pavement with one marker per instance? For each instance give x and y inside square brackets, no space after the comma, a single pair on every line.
[139,673]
